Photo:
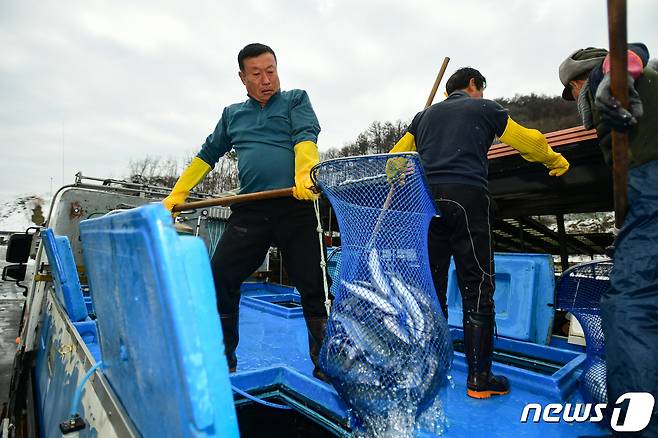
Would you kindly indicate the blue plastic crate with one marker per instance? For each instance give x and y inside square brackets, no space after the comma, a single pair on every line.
[524,296]
[158,324]
[65,274]
[89,334]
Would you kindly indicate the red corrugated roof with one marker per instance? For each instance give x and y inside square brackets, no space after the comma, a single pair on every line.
[556,138]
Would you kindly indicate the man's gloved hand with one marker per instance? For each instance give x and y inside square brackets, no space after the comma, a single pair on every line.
[558,167]
[397,169]
[612,113]
[306,156]
[533,146]
[191,176]
[174,199]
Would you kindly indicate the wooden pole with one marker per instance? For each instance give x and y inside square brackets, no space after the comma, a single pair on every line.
[389,197]
[439,76]
[228,200]
[619,88]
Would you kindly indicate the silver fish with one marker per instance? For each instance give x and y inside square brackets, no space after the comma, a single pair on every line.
[363,372]
[378,278]
[392,299]
[341,354]
[437,332]
[429,310]
[411,304]
[396,329]
[370,296]
[362,388]
[424,301]
[365,340]
[409,324]
[366,285]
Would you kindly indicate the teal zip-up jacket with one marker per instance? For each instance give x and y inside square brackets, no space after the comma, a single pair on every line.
[264,139]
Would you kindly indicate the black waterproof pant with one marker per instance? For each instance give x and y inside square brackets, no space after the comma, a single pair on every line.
[464,232]
[252,228]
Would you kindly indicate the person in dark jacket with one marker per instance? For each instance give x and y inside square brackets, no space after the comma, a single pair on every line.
[629,309]
[274,133]
[452,138]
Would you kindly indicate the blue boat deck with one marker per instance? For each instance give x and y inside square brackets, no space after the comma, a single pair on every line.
[134,268]
[273,352]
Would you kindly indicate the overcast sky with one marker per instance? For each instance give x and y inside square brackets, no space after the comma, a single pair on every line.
[89,85]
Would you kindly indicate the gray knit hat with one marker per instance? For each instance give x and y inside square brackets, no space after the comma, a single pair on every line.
[579,62]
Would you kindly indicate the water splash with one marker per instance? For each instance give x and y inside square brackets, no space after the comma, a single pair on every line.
[401,423]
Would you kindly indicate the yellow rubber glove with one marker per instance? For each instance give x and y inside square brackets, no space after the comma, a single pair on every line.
[558,167]
[406,144]
[396,168]
[306,156]
[191,176]
[532,146]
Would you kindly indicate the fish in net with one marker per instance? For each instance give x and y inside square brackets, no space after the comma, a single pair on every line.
[387,348]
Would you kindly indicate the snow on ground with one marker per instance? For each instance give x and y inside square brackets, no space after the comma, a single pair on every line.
[578,223]
[22,211]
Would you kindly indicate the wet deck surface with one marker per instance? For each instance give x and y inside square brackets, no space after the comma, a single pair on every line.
[11,306]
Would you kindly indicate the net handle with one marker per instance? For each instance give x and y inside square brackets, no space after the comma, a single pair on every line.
[439,77]
[389,197]
[228,200]
[380,219]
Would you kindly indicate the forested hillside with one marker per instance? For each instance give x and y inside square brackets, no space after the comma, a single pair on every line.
[546,113]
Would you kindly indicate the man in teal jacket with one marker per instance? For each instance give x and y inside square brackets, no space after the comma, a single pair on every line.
[274,133]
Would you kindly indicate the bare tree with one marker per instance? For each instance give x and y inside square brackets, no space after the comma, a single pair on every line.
[330,154]
[223,177]
[154,170]
[379,138]
[165,172]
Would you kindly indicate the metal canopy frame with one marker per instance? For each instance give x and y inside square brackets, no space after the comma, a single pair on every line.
[521,190]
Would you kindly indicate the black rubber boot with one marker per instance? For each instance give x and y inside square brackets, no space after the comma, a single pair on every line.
[478,348]
[316,328]
[231,334]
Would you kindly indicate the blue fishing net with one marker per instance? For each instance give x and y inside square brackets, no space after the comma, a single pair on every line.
[579,292]
[387,347]
[333,268]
